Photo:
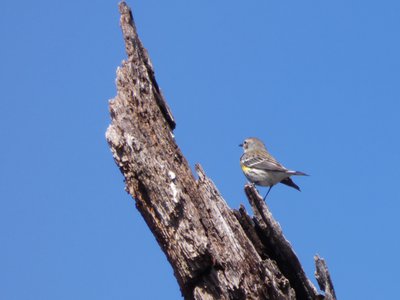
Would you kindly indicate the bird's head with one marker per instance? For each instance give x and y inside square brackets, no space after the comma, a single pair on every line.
[252,144]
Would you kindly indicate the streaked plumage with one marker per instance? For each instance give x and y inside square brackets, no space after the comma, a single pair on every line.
[261,168]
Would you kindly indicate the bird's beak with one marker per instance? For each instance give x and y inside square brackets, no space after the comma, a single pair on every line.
[240,145]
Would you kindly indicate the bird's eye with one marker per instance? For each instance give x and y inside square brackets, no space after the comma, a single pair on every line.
[245,142]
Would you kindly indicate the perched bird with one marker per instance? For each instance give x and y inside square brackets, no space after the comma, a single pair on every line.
[261,168]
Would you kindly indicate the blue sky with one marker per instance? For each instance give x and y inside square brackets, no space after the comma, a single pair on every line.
[318,81]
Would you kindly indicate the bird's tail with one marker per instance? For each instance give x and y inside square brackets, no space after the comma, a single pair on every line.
[290,183]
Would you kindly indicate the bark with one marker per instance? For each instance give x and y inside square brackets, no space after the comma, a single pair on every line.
[215,252]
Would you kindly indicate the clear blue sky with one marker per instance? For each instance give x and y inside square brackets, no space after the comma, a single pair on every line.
[318,81]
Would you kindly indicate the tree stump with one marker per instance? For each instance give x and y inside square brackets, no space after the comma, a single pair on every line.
[215,252]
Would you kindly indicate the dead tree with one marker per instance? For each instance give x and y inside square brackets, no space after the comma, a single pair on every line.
[215,252]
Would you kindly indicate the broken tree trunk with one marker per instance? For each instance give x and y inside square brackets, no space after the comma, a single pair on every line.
[216,252]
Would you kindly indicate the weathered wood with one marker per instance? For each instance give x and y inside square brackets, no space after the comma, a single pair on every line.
[277,247]
[216,253]
[324,278]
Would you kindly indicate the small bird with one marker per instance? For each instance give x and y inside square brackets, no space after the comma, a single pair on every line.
[262,169]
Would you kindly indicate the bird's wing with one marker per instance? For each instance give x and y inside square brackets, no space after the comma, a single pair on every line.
[267,163]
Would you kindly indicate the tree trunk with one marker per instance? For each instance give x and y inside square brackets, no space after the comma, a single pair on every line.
[216,252]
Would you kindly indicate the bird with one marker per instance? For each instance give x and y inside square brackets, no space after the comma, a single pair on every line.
[262,169]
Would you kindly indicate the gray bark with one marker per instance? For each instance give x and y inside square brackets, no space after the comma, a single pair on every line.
[216,252]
